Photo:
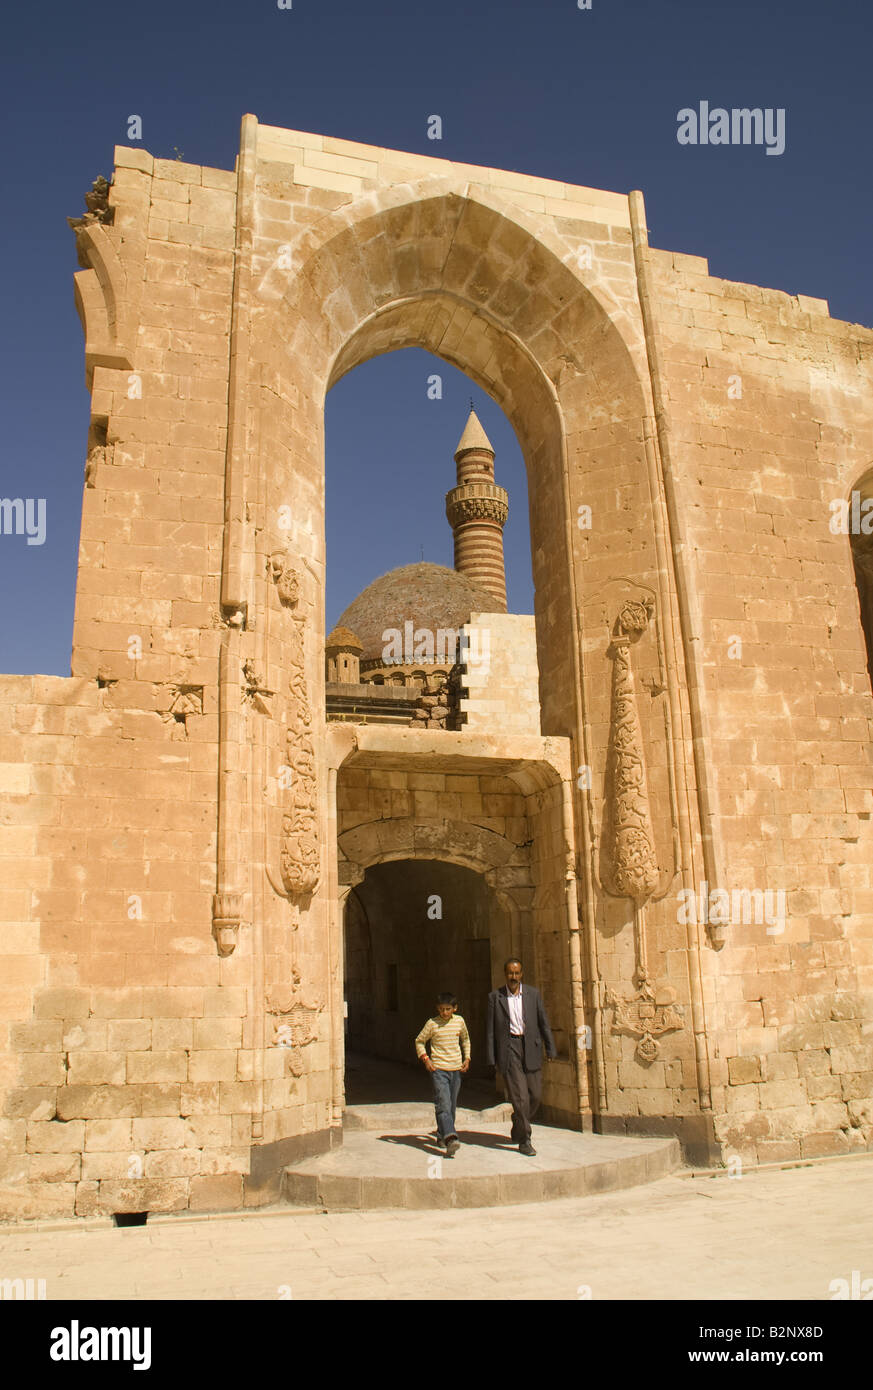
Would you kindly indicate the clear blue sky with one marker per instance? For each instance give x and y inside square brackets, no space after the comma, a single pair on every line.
[588,96]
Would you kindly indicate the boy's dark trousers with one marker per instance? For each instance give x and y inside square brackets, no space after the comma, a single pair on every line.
[446,1085]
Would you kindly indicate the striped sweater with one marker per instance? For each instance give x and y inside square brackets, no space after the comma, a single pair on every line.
[448,1039]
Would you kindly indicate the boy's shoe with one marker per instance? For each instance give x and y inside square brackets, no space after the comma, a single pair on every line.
[527,1149]
[452,1146]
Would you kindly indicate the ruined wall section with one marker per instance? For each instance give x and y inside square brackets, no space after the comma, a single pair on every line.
[770,421]
[130,1080]
[153,509]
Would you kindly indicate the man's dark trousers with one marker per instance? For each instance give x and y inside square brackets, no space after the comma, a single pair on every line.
[519,1059]
[524,1089]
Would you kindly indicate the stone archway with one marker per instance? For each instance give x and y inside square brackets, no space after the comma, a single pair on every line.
[452,267]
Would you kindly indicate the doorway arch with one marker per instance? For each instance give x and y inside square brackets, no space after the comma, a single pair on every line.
[413,929]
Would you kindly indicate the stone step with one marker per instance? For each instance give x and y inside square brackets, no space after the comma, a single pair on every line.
[411,1115]
[378,1169]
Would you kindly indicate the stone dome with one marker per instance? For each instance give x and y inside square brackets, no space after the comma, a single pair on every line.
[342,637]
[428,596]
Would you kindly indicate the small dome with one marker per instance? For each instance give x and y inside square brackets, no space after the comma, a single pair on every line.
[428,596]
[343,637]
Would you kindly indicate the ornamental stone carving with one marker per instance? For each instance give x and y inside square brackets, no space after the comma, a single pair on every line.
[295,1021]
[632,860]
[460,509]
[300,851]
[226,919]
[647,1016]
[285,577]
[255,692]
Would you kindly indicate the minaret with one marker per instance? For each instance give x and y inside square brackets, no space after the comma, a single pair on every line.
[477,510]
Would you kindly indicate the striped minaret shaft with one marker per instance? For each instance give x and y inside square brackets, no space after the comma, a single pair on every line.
[477,510]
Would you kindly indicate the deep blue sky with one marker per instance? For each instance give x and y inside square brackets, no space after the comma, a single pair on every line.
[586,96]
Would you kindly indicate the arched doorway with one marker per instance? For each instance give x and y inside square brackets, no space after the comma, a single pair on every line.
[413,929]
[457,271]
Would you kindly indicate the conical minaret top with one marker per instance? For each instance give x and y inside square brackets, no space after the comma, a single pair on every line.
[477,510]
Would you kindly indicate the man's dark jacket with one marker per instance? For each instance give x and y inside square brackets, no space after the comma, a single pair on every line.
[536,1029]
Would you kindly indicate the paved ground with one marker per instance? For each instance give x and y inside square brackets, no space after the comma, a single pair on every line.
[777,1234]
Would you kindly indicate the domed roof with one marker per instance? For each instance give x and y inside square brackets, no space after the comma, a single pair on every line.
[428,596]
[342,637]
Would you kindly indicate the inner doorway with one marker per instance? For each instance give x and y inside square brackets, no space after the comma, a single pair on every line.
[413,929]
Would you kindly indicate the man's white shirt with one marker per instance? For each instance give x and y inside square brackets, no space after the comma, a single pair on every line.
[516,1013]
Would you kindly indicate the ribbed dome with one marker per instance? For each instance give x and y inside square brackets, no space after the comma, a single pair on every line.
[428,596]
[342,637]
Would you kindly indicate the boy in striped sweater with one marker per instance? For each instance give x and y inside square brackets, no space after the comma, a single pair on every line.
[449,1059]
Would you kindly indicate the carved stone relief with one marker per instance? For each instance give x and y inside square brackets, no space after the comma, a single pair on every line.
[299,858]
[630,862]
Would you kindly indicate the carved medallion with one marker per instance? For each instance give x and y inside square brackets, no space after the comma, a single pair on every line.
[647,1016]
[296,1022]
[285,577]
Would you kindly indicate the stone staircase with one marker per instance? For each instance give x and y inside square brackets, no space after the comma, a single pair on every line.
[389,1159]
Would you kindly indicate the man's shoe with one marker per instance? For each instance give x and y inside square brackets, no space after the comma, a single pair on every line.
[527,1149]
[452,1147]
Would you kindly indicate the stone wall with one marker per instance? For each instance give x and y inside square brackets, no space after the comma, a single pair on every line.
[770,422]
[124,1050]
[500,674]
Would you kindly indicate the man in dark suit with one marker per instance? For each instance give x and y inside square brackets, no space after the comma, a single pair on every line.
[517,1029]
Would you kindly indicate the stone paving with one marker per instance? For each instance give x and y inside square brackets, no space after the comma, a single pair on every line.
[403,1167]
[781,1233]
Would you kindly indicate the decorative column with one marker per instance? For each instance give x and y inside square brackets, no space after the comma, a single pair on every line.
[632,858]
[477,510]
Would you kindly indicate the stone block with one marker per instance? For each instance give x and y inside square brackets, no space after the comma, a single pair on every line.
[848,1059]
[96,1102]
[219,1192]
[55,1138]
[152,1195]
[159,1132]
[96,1069]
[212,1066]
[208,1132]
[174,1163]
[856,1085]
[742,1070]
[214,1162]
[200,1098]
[55,1168]
[217,1034]
[45,1036]
[108,1135]
[157,1066]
